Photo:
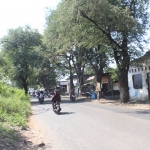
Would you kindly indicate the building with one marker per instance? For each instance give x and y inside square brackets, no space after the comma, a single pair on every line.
[76,83]
[110,89]
[62,86]
[139,78]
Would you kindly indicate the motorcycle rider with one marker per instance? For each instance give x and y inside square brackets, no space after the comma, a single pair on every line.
[72,93]
[55,97]
[40,92]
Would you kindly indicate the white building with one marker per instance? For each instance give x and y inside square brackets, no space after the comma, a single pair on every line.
[139,78]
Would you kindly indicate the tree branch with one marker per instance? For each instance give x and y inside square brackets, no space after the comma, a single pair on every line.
[10,43]
[103,31]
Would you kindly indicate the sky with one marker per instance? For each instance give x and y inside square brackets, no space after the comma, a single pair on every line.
[15,13]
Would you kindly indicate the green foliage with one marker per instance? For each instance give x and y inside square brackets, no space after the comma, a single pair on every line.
[65,37]
[46,75]
[14,105]
[21,55]
[113,73]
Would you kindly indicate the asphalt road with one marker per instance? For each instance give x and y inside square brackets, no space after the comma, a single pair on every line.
[88,125]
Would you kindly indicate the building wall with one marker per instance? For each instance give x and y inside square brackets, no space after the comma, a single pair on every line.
[115,86]
[140,93]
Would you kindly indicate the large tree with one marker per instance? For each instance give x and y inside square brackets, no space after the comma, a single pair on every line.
[117,25]
[59,44]
[98,60]
[61,39]
[122,25]
[19,49]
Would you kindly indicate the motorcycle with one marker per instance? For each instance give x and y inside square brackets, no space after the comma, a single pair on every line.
[72,98]
[49,95]
[56,107]
[34,94]
[40,98]
[88,94]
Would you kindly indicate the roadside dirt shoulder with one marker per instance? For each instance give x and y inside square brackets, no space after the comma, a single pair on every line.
[35,136]
[132,104]
[29,138]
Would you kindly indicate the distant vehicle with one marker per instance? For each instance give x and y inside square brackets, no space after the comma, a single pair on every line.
[31,91]
[88,94]
[40,97]
[49,94]
[66,93]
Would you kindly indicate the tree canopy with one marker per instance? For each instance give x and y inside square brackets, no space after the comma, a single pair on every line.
[18,49]
[79,34]
[118,26]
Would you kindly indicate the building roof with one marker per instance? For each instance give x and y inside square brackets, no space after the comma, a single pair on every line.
[91,78]
[94,77]
[141,60]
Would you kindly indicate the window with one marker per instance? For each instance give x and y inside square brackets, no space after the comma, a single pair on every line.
[137,81]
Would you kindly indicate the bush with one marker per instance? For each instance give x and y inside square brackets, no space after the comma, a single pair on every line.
[14,105]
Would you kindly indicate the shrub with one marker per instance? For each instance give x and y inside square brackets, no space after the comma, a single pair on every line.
[14,105]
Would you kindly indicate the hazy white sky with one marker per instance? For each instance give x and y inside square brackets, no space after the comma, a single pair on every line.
[15,13]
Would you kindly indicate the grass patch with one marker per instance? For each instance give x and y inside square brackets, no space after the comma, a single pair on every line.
[7,133]
[14,106]
[14,112]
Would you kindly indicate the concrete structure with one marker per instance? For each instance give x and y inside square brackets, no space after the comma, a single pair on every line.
[62,86]
[139,78]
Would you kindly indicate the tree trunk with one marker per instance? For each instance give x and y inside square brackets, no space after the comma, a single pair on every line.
[99,79]
[24,83]
[124,89]
[99,71]
[121,55]
[80,71]
[25,86]
[122,59]
[44,81]
[71,81]
[81,82]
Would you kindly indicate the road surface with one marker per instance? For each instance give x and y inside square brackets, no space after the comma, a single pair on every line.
[89,125]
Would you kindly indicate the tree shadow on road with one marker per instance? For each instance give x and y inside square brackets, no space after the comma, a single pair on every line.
[47,101]
[36,102]
[140,111]
[143,111]
[40,111]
